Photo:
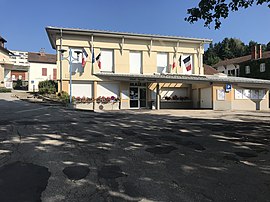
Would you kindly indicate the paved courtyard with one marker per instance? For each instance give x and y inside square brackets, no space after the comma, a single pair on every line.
[50,153]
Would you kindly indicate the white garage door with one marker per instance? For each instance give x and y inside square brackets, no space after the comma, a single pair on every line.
[108,89]
[80,89]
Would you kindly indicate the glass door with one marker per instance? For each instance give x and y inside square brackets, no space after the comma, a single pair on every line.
[137,95]
[142,97]
[134,97]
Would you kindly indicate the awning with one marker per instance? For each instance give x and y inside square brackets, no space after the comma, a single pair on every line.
[180,78]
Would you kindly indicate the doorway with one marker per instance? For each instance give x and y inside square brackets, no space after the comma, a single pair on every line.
[137,95]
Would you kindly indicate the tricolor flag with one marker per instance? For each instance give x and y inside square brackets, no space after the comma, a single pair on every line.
[93,56]
[84,57]
[174,64]
[180,61]
[98,60]
[187,63]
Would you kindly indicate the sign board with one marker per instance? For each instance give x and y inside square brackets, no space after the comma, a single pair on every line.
[228,87]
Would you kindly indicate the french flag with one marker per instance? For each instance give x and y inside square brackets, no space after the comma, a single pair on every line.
[174,64]
[98,59]
[84,57]
[187,63]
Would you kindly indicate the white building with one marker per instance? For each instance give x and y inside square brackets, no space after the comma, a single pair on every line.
[231,67]
[42,67]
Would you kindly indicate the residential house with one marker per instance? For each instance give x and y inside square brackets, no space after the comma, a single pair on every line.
[142,69]
[258,66]
[230,67]
[20,68]
[42,66]
[5,64]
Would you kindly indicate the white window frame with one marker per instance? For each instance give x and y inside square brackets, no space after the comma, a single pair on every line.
[247,69]
[262,67]
[135,68]
[162,62]
[107,60]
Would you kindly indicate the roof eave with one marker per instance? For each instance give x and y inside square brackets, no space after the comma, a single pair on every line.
[50,30]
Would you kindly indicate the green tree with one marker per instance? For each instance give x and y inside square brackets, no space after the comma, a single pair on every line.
[226,49]
[214,10]
[267,47]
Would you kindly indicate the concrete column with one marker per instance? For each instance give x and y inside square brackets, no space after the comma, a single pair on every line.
[157,98]
[94,94]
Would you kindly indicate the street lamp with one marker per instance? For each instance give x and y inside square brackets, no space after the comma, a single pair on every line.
[71,59]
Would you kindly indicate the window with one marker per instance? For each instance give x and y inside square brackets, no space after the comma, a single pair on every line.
[231,72]
[44,71]
[247,69]
[54,74]
[162,62]
[135,62]
[107,63]
[237,72]
[262,67]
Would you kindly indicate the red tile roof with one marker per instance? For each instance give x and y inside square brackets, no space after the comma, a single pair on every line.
[208,70]
[42,58]
[240,59]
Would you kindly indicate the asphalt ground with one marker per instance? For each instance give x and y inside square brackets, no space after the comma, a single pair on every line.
[50,153]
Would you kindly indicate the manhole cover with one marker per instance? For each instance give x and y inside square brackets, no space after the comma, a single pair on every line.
[76,172]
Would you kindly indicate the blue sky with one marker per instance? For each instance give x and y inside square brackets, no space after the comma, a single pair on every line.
[23,22]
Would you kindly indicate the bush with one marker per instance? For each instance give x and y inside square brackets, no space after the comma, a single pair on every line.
[18,84]
[4,90]
[64,97]
[47,87]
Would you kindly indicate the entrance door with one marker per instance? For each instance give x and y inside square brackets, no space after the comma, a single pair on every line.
[137,97]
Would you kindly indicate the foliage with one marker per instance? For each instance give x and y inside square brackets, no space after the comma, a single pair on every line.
[105,100]
[64,97]
[47,87]
[214,10]
[83,99]
[4,90]
[18,84]
[255,69]
[229,48]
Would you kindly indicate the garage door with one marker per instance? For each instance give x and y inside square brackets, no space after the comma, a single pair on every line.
[108,89]
[80,89]
[206,98]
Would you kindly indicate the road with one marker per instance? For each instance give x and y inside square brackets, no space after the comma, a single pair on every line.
[50,153]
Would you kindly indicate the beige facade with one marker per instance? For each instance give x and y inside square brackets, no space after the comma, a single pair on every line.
[134,72]
[5,63]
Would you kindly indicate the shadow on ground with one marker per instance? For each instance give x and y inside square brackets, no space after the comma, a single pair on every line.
[128,156]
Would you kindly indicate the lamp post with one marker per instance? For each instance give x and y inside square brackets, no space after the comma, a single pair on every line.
[71,59]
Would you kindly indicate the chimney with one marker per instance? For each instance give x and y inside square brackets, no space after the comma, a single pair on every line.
[254,53]
[260,51]
[42,52]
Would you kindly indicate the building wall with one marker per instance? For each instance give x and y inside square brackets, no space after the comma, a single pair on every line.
[231,103]
[35,74]
[225,104]
[230,70]
[121,54]
[255,69]
[20,58]
[4,63]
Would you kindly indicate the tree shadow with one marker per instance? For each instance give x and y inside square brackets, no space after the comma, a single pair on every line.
[133,156]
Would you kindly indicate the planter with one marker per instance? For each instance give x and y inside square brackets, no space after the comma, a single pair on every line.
[107,106]
[86,106]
